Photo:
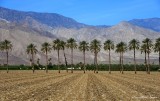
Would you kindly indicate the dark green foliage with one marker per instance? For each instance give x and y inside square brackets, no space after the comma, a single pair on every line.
[89,67]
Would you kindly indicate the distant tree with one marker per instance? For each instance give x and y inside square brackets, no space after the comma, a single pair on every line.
[71,43]
[84,46]
[6,45]
[31,49]
[144,50]
[121,48]
[157,48]
[95,47]
[149,45]
[63,45]
[46,47]
[108,46]
[134,45]
[57,46]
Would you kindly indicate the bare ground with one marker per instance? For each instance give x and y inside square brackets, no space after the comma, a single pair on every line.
[77,86]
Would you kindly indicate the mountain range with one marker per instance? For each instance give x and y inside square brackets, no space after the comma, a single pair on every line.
[22,28]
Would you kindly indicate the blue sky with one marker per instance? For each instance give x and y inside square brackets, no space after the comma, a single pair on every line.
[93,12]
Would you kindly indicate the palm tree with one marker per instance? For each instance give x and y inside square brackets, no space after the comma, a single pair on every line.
[157,48]
[144,50]
[134,45]
[46,47]
[31,49]
[95,47]
[121,48]
[63,45]
[109,45]
[6,45]
[57,46]
[83,46]
[149,45]
[71,43]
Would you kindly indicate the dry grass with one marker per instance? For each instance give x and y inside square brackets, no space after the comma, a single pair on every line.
[24,85]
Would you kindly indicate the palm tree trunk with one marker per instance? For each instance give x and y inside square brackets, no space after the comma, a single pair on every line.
[46,62]
[135,69]
[32,62]
[96,63]
[109,62]
[58,61]
[72,60]
[159,59]
[65,60]
[148,64]
[84,67]
[7,61]
[122,63]
[146,61]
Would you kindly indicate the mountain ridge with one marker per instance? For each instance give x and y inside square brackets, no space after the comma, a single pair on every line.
[150,23]
[45,18]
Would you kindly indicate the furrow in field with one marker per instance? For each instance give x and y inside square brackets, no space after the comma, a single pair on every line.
[25,82]
[140,87]
[51,91]
[18,92]
[143,78]
[97,91]
[76,91]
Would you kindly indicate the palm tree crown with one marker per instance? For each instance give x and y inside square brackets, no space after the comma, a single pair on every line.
[63,44]
[95,46]
[83,46]
[121,47]
[148,43]
[143,48]
[31,49]
[71,43]
[46,47]
[57,44]
[108,45]
[6,45]
[133,44]
[157,45]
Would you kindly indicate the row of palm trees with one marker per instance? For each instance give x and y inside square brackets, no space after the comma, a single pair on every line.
[95,47]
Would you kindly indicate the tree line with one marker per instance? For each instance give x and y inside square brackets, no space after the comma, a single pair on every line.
[94,46]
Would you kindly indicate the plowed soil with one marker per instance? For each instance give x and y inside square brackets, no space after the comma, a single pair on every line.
[77,86]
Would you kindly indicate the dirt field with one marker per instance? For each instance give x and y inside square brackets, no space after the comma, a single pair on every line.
[26,86]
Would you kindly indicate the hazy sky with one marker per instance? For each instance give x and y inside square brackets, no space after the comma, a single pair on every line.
[93,12]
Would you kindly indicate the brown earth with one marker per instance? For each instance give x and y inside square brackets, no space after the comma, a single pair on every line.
[77,86]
